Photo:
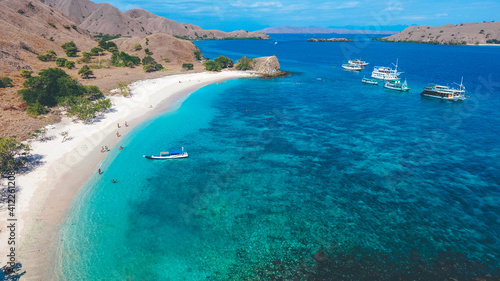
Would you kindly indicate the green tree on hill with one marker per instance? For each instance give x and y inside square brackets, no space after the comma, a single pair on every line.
[245,63]
[69,64]
[49,55]
[212,66]
[70,49]
[12,154]
[197,54]
[85,72]
[224,61]
[123,59]
[61,62]
[187,66]
[96,51]
[5,82]
[26,73]
[149,64]
[106,45]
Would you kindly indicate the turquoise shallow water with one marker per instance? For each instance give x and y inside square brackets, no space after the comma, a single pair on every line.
[373,183]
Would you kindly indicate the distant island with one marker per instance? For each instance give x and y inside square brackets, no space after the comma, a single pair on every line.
[329,40]
[471,33]
[313,30]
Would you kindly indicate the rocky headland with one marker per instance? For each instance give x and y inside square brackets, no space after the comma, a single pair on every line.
[329,40]
[471,33]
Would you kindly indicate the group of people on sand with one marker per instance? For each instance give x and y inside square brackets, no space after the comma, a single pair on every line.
[106,149]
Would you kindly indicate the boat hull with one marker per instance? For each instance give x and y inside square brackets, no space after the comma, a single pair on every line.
[163,157]
[441,96]
[397,88]
[368,81]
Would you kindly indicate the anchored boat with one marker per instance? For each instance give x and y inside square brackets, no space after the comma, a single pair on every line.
[386,73]
[396,84]
[169,155]
[445,92]
[358,62]
[352,67]
[369,81]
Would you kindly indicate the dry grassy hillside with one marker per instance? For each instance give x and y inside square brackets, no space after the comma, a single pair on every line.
[104,18]
[162,45]
[466,33]
[27,33]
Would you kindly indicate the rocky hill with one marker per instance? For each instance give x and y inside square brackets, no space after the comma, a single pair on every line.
[268,67]
[29,28]
[466,33]
[329,40]
[107,19]
[316,30]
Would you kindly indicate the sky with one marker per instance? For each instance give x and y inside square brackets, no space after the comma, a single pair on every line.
[392,15]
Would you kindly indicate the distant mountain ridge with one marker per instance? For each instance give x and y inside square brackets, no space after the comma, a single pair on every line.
[465,33]
[107,19]
[310,30]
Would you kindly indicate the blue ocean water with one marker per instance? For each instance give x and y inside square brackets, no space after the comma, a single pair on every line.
[310,176]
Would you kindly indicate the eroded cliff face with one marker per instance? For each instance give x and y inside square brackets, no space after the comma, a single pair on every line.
[268,66]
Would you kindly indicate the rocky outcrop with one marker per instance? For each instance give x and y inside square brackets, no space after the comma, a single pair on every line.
[316,30]
[268,67]
[329,40]
[451,34]
[107,19]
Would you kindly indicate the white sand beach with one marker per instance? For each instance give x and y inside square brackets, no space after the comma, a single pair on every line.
[47,191]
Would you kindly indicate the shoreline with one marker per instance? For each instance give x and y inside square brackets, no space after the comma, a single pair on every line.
[48,190]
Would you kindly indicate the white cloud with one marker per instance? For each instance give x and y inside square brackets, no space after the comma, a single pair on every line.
[442,15]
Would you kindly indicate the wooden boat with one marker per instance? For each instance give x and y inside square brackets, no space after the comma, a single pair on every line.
[370,81]
[396,85]
[353,67]
[445,92]
[169,155]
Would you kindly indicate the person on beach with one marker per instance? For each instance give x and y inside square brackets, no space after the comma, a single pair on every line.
[121,147]
[106,148]
[99,171]
[102,149]
[126,125]
[118,125]
[117,134]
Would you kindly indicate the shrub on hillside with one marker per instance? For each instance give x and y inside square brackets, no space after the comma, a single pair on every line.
[212,66]
[70,49]
[26,73]
[61,62]
[224,61]
[187,66]
[85,72]
[49,55]
[245,63]
[96,51]
[137,47]
[69,64]
[149,64]
[124,59]
[5,82]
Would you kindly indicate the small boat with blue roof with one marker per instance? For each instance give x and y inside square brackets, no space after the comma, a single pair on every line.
[169,155]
